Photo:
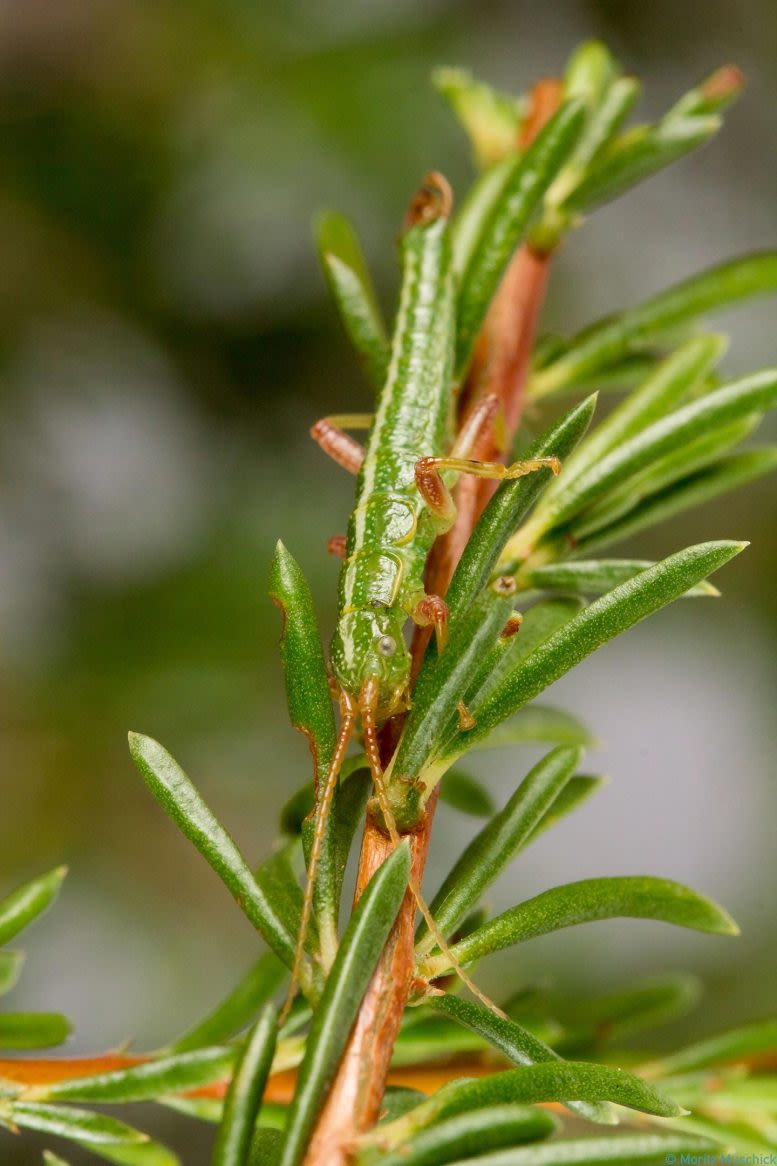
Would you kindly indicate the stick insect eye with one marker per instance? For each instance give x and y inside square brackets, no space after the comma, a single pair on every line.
[386,645]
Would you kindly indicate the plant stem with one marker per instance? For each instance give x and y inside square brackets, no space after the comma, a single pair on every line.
[504,348]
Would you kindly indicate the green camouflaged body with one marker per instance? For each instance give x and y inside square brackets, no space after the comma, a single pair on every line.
[391,531]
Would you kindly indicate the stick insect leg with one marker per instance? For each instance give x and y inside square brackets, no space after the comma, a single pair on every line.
[329,433]
[367,703]
[432,611]
[324,804]
[336,545]
[437,496]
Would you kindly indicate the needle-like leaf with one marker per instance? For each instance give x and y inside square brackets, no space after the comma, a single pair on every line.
[638,154]
[610,1018]
[737,1044]
[612,339]
[540,723]
[302,654]
[726,474]
[499,841]
[93,1129]
[346,272]
[579,577]
[531,176]
[345,985]
[630,1149]
[548,1081]
[244,1095]
[666,471]
[235,1011]
[515,1042]
[491,119]
[181,801]
[749,395]
[574,793]
[662,391]
[632,896]
[11,963]
[28,902]
[461,1137]
[176,1073]
[33,1030]
[466,794]
[607,617]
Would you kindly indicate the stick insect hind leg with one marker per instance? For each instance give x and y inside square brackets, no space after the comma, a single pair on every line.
[367,705]
[324,798]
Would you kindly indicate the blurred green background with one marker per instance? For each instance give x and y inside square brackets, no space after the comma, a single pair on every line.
[165,344]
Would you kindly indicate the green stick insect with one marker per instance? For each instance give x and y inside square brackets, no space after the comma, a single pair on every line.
[403,503]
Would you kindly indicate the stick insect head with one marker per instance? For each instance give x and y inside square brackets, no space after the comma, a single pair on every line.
[370,645]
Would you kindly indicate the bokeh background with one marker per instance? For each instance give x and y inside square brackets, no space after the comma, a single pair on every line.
[165,343]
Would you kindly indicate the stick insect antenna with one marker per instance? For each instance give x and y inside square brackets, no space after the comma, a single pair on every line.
[323,806]
[372,750]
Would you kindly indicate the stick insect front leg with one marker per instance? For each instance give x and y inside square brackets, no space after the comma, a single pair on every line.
[330,434]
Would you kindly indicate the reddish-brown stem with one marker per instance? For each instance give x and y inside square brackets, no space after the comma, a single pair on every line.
[500,367]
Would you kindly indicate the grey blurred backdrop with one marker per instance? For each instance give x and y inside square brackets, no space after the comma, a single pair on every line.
[165,343]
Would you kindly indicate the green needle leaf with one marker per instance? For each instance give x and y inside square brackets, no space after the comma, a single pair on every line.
[636,155]
[574,793]
[671,380]
[33,1030]
[304,668]
[596,578]
[492,120]
[515,1041]
[721,476]
[347,275]
[465,1135]
[266,1147]
[605,618]
[244,1095]
[617,337]
[181,802]
[736,1045]
[531,176]
[499,841]
[28,902]
[610,1018]
[547,1081]
[753,394]
[11,964]
[144,1081]
[538,723]
[147,1153]
[257,986]
[92,1129]
[356,958]
[587,901]
[666,471]
[627,1148]
[466,794]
